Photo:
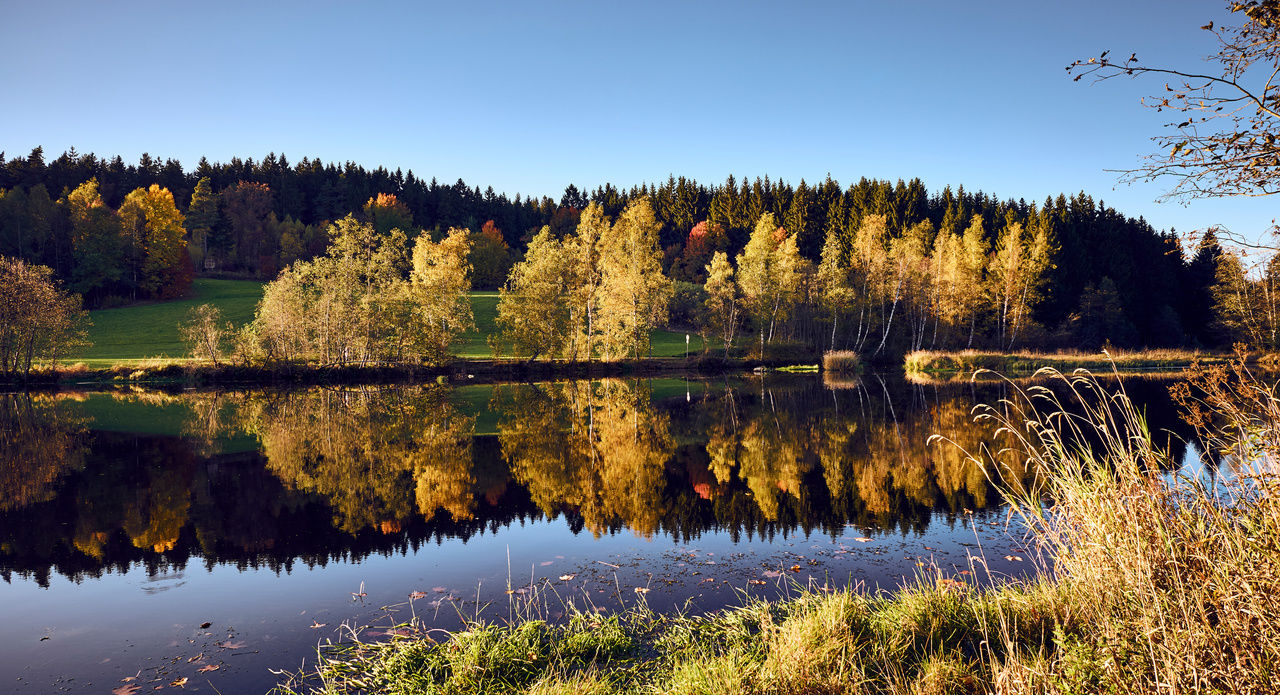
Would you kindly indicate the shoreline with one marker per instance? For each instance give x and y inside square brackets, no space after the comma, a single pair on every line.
[466,371]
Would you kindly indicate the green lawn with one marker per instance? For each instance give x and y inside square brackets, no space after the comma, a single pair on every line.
[146,331]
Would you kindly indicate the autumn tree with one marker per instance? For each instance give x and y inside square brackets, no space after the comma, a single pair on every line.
[769,275]
[722,299]
[39,321]
[435,302]
[533,307]
[585,276]
[490,257]
[633,291]
[97,247]
[152,227]
[205,332]
[1015,276]
[387,212]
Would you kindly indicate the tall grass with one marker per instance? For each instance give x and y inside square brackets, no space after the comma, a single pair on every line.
[841,362]
[1179,575]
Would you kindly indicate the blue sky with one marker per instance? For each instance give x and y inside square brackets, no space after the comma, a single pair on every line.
[528,97]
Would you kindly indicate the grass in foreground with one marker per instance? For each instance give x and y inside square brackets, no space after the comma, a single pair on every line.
[1158,583]
[930,638]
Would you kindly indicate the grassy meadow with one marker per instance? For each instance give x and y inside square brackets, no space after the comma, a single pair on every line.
[146,333]
[141,332]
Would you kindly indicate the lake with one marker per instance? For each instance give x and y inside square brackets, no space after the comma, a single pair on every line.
[149,535]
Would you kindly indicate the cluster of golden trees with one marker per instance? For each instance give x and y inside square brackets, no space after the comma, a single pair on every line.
[598,292]
[369,299]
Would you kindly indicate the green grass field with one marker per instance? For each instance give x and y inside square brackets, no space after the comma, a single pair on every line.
[143,332]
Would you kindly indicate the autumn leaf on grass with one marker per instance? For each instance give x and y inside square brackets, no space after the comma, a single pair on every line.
[209,667]
[131,689]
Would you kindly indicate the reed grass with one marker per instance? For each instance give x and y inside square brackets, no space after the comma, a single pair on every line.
[1023,362]
[841,362]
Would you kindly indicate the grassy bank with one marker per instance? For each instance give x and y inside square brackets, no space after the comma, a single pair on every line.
[966,362]
[1154,583]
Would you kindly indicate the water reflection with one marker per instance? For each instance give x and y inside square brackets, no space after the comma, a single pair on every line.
[98,482]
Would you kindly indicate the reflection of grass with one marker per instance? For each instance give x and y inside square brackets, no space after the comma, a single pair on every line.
[151,330]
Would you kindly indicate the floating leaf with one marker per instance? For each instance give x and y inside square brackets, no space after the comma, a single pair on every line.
[195,658]
[205,626]
[863,539]
[567,577]
[316,625]
[179,683]
[642,590]
[1013,558]
[209,667]
[230,645]
[417,595]
[126,690]
[796,568]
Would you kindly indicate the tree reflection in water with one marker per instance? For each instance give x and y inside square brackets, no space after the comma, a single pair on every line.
[342,472]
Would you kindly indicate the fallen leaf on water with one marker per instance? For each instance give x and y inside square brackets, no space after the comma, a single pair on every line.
[863,539]
[179,683]
[417,595]
[439,589]
[709,579]
[1014,558]
[544,563]
[316,625]
[128,679]
[642,590]
[205,626]
[796,568]
[567,577]
[756,581]
[209,667]
[195,658]
[771,574]
[126,690]
[230,645]
[964,572]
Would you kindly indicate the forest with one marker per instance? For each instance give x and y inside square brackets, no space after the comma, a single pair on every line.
[878,267]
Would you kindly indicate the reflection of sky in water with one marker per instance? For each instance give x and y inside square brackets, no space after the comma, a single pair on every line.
[101,629]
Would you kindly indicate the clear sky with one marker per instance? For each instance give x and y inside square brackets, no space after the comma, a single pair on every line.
[530,96]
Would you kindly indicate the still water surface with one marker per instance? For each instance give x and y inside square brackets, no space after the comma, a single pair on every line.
[129,519]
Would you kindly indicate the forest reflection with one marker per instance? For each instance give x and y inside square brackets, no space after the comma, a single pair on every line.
[343,472]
